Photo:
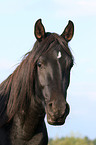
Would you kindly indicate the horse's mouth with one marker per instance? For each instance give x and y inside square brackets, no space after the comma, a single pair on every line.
[59,121]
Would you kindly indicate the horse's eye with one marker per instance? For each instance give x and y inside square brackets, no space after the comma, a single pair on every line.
[39,64]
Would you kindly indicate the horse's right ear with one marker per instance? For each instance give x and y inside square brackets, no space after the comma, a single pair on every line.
[39,30]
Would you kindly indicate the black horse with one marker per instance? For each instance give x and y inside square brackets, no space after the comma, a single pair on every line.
[37,86]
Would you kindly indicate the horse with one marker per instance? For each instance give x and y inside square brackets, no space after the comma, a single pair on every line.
[38,86]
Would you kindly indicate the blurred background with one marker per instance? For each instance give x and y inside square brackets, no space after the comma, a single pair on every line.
[17,19]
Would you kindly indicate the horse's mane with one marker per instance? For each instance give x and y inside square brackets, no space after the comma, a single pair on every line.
[18,89]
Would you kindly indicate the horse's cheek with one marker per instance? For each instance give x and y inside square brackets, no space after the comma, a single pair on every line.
[42,78]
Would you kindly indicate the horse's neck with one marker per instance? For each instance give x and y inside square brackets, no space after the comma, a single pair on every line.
[26,123]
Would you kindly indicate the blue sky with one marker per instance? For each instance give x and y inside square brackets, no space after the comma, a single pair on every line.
[17,19]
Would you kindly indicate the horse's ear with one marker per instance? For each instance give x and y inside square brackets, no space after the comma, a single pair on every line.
[39,30]
[68,32]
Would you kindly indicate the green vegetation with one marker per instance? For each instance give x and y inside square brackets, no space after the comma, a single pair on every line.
[72,141]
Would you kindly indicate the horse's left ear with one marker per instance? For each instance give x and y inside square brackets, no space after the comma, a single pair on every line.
[39,30]
[68,32]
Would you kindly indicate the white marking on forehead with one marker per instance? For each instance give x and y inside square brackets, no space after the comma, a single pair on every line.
[59,55]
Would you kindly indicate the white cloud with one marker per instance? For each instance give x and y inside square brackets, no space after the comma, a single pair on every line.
[75,8]
[11,7]
[88,6]
[92,96]
[88,3]
[62,7]
[6,64]
[6,68]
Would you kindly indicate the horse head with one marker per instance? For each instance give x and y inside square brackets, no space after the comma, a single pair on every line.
[53,71]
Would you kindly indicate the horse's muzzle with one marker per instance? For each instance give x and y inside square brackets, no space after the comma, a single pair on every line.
[59,116]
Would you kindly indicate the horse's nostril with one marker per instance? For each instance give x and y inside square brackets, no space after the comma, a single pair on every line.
[50,106]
